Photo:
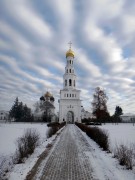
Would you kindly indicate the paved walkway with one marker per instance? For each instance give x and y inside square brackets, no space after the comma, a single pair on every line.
[68,160]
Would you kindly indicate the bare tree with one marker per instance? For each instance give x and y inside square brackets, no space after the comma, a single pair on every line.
[44,107]
[36,107]
[99,105]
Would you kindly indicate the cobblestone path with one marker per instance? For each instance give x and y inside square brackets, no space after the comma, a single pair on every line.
[67,160]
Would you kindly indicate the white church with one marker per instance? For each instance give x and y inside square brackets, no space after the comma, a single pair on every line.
[69,103]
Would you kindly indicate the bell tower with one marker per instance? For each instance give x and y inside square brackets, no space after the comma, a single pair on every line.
[69,103]
[69,78]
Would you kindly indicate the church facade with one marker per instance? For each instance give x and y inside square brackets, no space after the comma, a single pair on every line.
[45,109]
[69,103]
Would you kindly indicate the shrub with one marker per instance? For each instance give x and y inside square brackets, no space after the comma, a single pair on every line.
[53,124]
[54,127]
[82,126]
[26,145]
[93,123]
[125,155]
[98,135]
[52,130]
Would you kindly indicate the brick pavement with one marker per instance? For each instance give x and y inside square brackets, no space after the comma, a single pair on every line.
[68,161]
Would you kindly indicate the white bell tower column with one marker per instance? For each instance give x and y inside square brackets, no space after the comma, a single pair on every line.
[70,103]
[69,78]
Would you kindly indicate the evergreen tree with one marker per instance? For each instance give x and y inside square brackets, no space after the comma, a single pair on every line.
[27,115]
[20,112]
[118,111]
[14,112]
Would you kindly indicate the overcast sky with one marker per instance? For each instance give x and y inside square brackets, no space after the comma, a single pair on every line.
[34,36]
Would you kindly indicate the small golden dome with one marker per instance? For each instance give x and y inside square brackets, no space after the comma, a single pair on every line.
[47,94]
[70,53]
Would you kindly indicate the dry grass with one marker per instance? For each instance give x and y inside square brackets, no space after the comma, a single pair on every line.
[26,145]
[125,155]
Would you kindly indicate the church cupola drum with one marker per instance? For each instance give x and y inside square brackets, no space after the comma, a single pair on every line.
[70,103]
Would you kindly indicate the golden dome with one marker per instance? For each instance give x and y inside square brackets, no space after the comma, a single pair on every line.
[70,53]
[47,94]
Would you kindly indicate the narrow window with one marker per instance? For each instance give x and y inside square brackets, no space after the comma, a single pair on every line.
[67,70]
[74,83]
[70,82]
[70,61]
[65,82]
[67,95]
[70,95]
[70,70]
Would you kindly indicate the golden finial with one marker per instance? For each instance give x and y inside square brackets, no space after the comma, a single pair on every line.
[70,52]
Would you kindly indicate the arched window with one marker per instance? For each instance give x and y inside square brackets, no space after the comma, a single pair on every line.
[70,70]
[70,61]
[70,82]
[74,83]
[70,95]
[67,95]
[65,82]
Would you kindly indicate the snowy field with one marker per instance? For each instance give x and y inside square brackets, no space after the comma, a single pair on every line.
[123,133]
[9,132]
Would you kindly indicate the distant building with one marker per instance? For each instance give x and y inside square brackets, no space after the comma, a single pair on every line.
[4,115]
[128,118]
[46,109]
[85,114]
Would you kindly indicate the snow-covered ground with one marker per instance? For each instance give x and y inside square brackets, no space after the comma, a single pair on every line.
[83,159]
[123,133]
[10,132]
[105,166]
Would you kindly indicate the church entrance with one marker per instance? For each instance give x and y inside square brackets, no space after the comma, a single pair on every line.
[70,117]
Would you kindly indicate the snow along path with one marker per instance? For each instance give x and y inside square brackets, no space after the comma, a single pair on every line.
[67,161]
[76,157]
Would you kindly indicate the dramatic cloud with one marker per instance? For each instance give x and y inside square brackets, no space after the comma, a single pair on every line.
[34,38]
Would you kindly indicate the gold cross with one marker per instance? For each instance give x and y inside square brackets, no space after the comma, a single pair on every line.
[70,43]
